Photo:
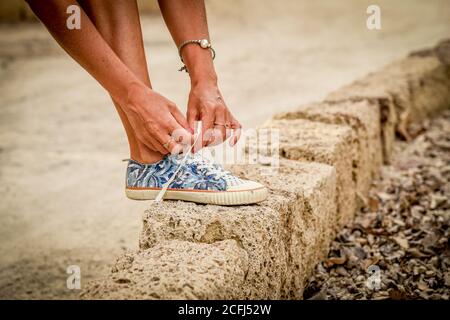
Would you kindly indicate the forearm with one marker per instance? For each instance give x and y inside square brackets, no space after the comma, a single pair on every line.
[87,47]
[186,20]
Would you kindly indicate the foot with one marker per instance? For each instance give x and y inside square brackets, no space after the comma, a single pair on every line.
[198,180]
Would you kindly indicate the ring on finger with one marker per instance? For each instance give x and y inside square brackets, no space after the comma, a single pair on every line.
[166,145]
[226,125]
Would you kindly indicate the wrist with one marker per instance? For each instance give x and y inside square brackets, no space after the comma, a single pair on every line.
[203,77]
[200,64]
[136,92]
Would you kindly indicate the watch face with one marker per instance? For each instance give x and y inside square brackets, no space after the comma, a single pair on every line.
[204,43]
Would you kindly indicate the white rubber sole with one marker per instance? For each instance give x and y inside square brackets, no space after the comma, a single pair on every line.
[224,198]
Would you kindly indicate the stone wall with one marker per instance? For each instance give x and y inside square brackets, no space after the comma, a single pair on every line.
[330,152]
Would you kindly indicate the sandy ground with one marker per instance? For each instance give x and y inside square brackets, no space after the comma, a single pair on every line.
[61,142]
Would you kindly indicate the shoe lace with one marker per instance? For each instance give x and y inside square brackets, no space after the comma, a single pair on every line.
[188,158]
[203,164]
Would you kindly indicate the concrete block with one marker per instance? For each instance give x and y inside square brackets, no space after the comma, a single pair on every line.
[283,236]
[331,144]
[358,91]
[407,91]
[309,219]
[364,118]
[176,270]
[257,229]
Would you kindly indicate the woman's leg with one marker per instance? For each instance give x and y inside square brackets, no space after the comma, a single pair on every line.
[119,24]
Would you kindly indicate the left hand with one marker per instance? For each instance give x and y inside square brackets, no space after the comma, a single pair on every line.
[218,124]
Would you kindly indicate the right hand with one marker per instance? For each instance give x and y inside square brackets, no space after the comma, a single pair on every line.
[157,120]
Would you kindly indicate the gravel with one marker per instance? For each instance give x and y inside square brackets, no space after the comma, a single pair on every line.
[398,245]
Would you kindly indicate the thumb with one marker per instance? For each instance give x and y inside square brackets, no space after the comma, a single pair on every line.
[180,118]
[191,118]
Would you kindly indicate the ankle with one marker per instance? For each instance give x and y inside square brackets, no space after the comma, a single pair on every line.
[146,156]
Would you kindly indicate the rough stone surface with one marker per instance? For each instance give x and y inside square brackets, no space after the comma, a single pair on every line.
[268,250]
[257,229]
[176,270]
[283,235]
[310,217]
[414,88]
[442,51]
[358,91]
[334,145]
[364,118]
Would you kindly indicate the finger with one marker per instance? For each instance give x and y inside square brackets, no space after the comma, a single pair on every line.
[172,146]
[173,137]
[228,130]
[169,145]
[152,143]
[182,137]
[179,117]
[162,136]
[220,122]
[215,136]
[192,116]
[179,134]
[147,143]
[237,130]
[207,129]
[159,147]
[198,138]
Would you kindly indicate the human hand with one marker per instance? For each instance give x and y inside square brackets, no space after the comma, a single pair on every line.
[206,104]
[157,122]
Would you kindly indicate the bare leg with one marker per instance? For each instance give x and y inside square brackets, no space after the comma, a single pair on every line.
[153,117]
[119,24]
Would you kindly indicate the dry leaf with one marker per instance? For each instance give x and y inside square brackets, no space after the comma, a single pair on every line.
[422,286]
[403,230]
[336,260]
[402,242]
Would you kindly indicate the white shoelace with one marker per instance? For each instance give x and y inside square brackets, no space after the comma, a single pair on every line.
[187,159]
[182,163]
[202,164]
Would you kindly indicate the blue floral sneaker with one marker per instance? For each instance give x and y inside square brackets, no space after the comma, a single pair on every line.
[196,179]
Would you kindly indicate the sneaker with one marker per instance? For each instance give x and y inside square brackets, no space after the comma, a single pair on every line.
[198,180]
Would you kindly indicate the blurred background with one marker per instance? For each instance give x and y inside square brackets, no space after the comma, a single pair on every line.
[61,141]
